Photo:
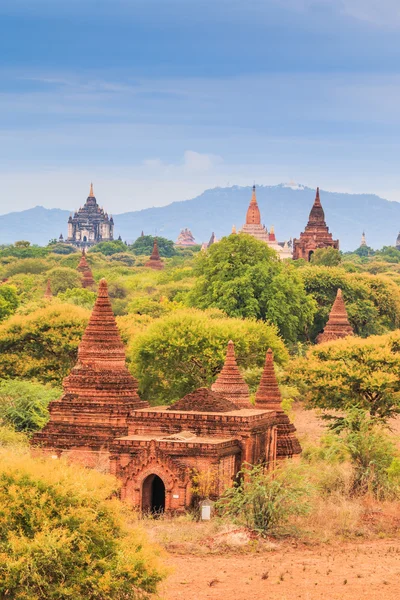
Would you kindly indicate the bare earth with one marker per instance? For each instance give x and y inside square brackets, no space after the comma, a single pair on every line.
[365,571]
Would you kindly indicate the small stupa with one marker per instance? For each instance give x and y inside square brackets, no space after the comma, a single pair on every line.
[230,382]
[268,396]
[48,293]
[338,325]
[86,272]
[155,261]
[363,240]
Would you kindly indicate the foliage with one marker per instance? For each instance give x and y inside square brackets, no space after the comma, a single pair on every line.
[63,278]
[149,305]
[23,404]
[28,266]
[186,349]
[62,536]
[42,345]
[328,257]
[79,296]
[372,302]
[23,250]
[125,258]
[352,373]
[265,500]
[8,301]
[364,251]
[11,438]
[60,248]
[109,248]
[144,246]
[245,278]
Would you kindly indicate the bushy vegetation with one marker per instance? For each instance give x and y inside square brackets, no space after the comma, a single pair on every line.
[64,535]
[23,404]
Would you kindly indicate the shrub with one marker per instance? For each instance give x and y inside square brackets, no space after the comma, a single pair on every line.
[23,404]
[8,301]
[63,536]
[11,438]
[79,296]
[63,278]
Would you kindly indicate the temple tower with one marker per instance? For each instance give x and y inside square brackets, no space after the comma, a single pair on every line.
[268,397]
[155,261]
[86,272]
[230,382]
[316,234]
[90,224]
[48,293]
[99,393]
[253,225]
[338,325]
[363,240]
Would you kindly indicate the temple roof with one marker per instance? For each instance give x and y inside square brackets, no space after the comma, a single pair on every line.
[317,215]
[230,382]
[203,400]
[253,216]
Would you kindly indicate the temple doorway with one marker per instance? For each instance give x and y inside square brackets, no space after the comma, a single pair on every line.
[84,238]
[310,255]
[153,495]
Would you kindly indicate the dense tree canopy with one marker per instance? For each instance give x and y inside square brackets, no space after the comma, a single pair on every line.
[63,536]
[63,278]
[245,278]
[144,245]
[109,248]
[8,301]
[328,257]
[23,404]
[186,349]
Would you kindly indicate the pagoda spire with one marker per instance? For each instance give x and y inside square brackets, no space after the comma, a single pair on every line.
[317,215]
[91,193]
[338,325]
[268,397]
[253,216]
[230,382]
[363,239]
[48,293]
[155,261]
[233,229]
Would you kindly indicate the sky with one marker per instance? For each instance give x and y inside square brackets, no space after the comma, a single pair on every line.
[157,100]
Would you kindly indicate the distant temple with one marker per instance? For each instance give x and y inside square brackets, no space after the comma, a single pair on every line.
[338,325]
[254,228]
[185,238]
[363,240]
[90,224]
[155,261]
[86,272]
[100,421]
[316,234]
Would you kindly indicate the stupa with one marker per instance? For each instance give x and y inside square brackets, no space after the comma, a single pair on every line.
[338,325]
[230,382]
[363,240]
[48,293]
[86,272]
[268,396]
[99,393]
[316,234]
[155,261]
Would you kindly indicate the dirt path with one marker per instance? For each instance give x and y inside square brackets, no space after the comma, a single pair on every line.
[365,571]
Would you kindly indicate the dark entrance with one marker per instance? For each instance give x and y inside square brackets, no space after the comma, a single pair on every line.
[310,255]
[153,495]
[84,238]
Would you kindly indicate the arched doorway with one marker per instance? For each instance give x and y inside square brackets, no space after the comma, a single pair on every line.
[310,255]
[84,238]
[153,494]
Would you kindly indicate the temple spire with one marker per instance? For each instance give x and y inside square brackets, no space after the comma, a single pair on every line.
[91,193]
[363,240]
[253,216]
[338,325]
[48,293]
[230,382]
[155,261]
[268,397]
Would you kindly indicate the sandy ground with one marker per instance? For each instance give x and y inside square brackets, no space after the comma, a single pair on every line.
[365,571]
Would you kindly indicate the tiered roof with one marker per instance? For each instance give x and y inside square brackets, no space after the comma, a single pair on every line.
[268,397]
[338,325]
[316,234]
[253,216]
[230,382]
[155,261]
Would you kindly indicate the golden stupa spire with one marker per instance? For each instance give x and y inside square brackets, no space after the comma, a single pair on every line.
[91,193]
[233,229]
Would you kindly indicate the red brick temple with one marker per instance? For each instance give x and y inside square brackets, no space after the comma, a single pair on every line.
[86,272]
[316,234]
[338,325]
[101,422]
[155,261]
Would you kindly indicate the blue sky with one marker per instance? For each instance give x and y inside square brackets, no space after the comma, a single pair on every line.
[157,100]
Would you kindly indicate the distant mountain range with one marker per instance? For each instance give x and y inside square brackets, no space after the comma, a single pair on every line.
[285,206]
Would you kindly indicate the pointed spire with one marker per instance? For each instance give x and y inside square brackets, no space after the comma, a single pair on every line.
[338,325]
[91,193]
[272,237]
[48,293]
[234,229]
[155,261]
[253,216]
[363,240]
[230,382]
[317,215]
[268,397]
[317,201]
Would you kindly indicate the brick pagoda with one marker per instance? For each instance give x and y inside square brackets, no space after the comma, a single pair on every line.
[316,234]
[86,272]
[48,293]
[268,396]
[338,325]
[155,261]
[101,422]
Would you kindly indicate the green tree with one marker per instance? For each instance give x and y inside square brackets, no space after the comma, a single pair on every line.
[109,248]
[352,373]
[23,404]
[8,301]
[42,345]
[22,244]
[60,248]
[144,246]
[186,349]
[328,257]
[62,535]
[63,278]
[245,278]
[78,296]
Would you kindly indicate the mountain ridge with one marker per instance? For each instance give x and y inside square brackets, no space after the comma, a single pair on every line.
[286,206]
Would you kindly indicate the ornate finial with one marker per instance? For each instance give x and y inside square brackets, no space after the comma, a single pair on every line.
[233,229]
[272,230]
[317,198]
[91,194]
